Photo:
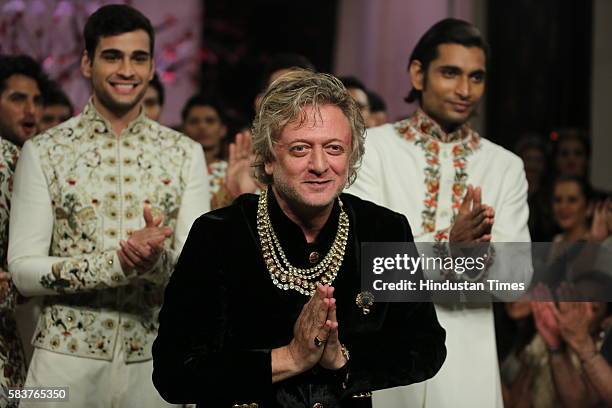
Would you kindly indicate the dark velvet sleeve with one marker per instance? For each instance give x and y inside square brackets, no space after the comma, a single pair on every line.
[191,361]
[409,347]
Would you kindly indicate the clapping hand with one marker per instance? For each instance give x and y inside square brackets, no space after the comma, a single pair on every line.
[575,321]
[474,219]
[601,225]
[143,249]
[238,179]
[545,317]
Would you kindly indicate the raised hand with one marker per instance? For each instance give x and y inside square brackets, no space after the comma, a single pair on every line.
[142,250]
[545,317]
[599,226]
[575,321]
[474,220]
[238,178]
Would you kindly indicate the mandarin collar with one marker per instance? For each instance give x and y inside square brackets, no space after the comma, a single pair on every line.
[292,238]
[425,124]
[102,125]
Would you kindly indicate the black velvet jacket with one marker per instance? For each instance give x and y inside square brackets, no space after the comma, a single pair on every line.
[222,315]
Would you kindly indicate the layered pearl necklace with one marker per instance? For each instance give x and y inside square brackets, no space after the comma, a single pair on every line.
[286,276]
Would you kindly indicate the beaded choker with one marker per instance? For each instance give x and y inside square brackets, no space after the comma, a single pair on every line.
[286,276]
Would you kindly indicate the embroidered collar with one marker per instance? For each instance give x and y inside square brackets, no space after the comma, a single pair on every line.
[426,125]
[426,134]
[102,126]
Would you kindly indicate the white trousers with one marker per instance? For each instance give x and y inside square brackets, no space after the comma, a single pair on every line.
[94,383]
[469,378]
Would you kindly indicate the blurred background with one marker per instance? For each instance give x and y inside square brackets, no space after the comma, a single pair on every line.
[551,64]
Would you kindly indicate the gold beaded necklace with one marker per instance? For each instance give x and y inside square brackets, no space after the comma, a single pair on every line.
[286,276]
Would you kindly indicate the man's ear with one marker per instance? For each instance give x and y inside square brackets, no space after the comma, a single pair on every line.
[269,168]
[417,75]
[152,73]
[86,63]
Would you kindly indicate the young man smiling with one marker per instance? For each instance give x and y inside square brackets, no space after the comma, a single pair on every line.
[422,167]
[102,206]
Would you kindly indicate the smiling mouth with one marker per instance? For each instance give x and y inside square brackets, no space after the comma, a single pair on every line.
[460,106]
[318,184]
[124,88]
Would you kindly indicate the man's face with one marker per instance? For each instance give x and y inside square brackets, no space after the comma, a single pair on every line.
[362,102]
[453,85]
[120,71]
[204,125]
[53,115]
[312,159]
[151,103]
[20,109]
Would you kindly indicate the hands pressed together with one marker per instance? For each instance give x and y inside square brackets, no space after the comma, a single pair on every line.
[474,219]
[317,321]
[144,247]
[315,339]
[569,322]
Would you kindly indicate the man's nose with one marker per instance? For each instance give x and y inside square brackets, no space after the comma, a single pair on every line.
[318,160]
[30,107]
[463,87]
[126,69]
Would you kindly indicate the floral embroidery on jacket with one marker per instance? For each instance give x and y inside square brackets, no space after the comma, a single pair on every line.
[12,360]
[99,184]
[425,133]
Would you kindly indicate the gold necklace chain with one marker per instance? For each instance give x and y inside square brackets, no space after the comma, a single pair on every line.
[288,277]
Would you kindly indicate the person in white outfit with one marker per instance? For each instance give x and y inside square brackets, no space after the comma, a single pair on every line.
[452,185]
[102,205]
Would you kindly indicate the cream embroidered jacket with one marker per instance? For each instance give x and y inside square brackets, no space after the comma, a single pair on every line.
[12,360]
[78,190]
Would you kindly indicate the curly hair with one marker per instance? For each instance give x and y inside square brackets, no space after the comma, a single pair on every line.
[284,103]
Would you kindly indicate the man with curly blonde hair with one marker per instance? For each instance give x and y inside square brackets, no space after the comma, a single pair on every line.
[278,315]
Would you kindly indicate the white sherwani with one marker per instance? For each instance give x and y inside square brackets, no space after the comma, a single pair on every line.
[79,189]
[408,169]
